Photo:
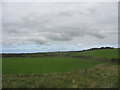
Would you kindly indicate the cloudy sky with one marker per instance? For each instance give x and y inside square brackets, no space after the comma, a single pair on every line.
[46,27]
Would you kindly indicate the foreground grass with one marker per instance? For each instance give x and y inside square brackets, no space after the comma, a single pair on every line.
[102,76]
[26,65]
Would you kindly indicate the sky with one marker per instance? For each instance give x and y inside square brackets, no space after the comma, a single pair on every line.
[58,26]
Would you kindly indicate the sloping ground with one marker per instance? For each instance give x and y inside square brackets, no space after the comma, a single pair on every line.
[102,53]
[103,76]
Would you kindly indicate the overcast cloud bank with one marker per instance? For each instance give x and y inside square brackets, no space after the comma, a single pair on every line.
[40,27]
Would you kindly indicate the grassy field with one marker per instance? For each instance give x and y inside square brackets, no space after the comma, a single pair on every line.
[103,53]
[45,65]
[62,70]
[102,76]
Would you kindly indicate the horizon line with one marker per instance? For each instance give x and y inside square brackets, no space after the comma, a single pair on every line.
[62,50]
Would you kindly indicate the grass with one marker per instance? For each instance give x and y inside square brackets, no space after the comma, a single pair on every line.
[62,70]
[103,53]
[103,76]
[15,65]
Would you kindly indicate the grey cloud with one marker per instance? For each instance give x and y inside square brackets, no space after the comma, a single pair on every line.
[37,40]
[44,23]
[59,37]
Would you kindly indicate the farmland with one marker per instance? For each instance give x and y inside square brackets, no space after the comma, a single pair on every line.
[104,53]
[45,65]
[93,68]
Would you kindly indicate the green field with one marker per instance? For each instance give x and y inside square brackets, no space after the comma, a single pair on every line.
[45,65]
[62,70]
[102,76]
[103,53]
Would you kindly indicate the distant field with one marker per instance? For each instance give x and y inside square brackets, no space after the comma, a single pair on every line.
[19,65]
[103,53]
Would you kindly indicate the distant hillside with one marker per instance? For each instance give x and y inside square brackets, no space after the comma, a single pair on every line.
[105,52]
